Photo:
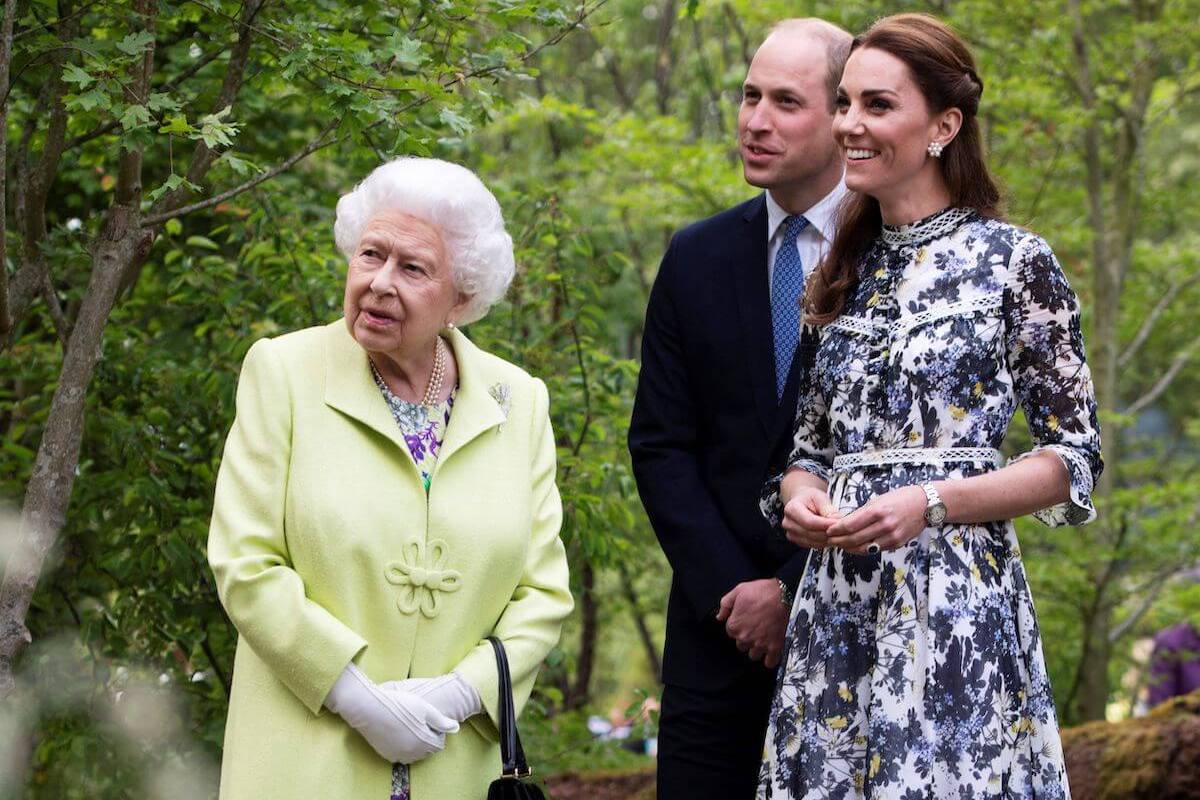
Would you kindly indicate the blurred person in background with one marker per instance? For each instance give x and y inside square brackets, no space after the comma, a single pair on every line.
[1175,663]
[386,501]
[1175,660]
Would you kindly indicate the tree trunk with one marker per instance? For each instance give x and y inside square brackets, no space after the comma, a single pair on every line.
[588,633]
[639,620]
[664,59]
[49,490]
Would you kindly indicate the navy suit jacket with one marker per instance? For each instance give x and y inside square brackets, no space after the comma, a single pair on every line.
[707,431]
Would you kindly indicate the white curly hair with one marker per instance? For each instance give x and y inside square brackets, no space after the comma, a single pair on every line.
[453,199]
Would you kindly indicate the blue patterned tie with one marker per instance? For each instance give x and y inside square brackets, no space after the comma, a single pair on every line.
[787,287]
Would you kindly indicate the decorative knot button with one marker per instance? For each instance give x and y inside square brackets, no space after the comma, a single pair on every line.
[422,577]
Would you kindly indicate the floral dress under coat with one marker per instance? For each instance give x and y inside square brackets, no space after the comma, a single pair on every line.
[918,673]
[423,428]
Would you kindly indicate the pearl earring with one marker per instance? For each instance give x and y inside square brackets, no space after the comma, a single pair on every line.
[935,149]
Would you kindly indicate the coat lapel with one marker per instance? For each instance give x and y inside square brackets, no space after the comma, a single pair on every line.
[748,264]
[476,410]
[350,389]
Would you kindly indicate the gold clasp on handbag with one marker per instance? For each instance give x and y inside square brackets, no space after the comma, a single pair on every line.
[518,773]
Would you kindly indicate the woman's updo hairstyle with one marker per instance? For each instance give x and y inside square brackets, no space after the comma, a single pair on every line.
[944,71]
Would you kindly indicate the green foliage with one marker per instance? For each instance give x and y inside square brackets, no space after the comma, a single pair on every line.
[620,135]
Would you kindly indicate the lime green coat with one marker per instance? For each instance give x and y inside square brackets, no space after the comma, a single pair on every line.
[326,549]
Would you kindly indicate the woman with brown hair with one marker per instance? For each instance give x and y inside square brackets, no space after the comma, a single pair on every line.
[913,666]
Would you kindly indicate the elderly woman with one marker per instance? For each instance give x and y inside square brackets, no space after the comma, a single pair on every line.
[385,503]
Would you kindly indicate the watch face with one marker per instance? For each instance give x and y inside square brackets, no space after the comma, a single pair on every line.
[936,514]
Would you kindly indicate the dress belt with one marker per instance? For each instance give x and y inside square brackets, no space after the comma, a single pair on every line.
[917,455]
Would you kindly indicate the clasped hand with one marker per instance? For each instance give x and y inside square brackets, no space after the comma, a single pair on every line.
[889,520]
[755,619]
[400,726]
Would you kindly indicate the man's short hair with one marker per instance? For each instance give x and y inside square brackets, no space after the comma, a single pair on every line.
[837,47]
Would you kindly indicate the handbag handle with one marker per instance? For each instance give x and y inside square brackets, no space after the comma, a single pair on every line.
[512,754]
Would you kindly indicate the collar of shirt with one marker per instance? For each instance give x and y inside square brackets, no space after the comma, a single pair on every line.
[821,217]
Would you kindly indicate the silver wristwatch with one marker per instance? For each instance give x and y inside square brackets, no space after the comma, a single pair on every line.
[935,509]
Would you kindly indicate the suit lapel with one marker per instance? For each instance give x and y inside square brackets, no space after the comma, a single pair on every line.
[748,264]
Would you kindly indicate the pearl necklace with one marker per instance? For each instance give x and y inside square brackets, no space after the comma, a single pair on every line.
[433,389]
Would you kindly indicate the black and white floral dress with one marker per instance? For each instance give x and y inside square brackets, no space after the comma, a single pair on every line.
[918,673]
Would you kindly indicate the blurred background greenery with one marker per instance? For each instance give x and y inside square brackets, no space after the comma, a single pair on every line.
[170,175]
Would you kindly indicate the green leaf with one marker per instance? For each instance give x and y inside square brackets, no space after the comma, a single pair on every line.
[172,183]
[177,124]
[73,74]
[457,122]
[201,241]
[161,101]
[239,165]
[92,99]
[406,51]
[134,117]
[215,131]
[174,227]
[135,43]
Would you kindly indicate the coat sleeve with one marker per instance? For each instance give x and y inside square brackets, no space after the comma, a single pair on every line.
[532,621]
[304,645]
[665,448]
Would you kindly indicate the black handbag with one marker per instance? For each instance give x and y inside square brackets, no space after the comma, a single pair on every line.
[514,769]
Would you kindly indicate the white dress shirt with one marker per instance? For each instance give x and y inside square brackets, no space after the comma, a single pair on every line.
[814,240]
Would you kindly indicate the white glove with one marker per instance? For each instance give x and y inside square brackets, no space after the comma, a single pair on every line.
[449,694]
[399,725]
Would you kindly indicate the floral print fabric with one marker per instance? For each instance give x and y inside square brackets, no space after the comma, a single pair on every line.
[918,673]
[423,429]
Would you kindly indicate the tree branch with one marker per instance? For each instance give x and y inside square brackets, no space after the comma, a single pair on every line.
[1148,600]
[1168,377]
[664,60]
[61,326]
[322,140]
[612,63]
[739,31]
[1151,320]
[203,157]
[171,85]
[129,165]
[52,23]
[34,184]
[6,40]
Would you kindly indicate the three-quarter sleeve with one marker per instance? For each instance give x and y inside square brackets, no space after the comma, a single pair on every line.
[1044,348]
[303,645]
[812,442]
[532,620]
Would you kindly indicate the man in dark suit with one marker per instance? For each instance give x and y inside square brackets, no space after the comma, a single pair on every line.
[713,414]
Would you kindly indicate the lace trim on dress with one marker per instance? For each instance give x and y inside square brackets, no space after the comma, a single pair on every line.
[860,326]
[848,323]
[1078,509]
[927,229]
[917,455]
[984,302]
